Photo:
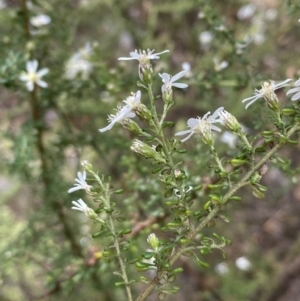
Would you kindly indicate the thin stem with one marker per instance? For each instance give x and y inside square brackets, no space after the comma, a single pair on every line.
[24,8]
[245,140]
[218,161]
[116,241]
[215,211]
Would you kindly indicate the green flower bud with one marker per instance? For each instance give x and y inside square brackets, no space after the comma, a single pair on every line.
[153,241]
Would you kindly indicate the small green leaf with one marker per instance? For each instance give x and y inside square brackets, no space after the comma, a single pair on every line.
[257,193]
[201,263]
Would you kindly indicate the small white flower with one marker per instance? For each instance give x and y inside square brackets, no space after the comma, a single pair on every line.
[80,183]
[169,81]
[142,56]
[197,125]
[40,20]
[243,263]
[83,207]
[32,76]
[222,268]
[265,91]
[145,68]
[229,138]
[186,66]
[296,90]
[246,11]
[126,111]
[206,38]
[79,63]
[219,65]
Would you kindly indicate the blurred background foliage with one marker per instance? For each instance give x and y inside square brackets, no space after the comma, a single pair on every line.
[228,48]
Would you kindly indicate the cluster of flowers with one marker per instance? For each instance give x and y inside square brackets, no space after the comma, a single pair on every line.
[203,126]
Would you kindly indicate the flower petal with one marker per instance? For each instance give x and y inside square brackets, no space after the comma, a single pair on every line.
[43,72]
[31,66]
[180,85]
[296,96]
[178,76]
[41,83]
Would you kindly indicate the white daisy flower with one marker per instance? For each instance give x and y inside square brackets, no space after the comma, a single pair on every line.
[127,111]
[83,207]
[142,56]
[145,68]
[80,183]
[79,63]
[265,91]
[169,81]
[201,125]
[222,268]
[296,90]
[40,20]
[32,76]
[243,263]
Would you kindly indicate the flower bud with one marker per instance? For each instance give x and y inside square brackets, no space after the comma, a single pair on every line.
[270,97]
[131,125]
[153,241]
[143,112]
[146,151]
[145,72]
[230,121]
[206,133]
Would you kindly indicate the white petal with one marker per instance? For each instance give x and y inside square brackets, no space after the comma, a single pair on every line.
[127,58]
[188,137]
[283,84]
[42,72]
[31,66]
[192,122]
[30,86]
[76,208]
[74,189]
[250,103]
[155,56]
[82,203]
[24,77]
[107,128]
[216,113]
[179,85]
[178,76]
[293,90]
[297,83]
[137,97]
[41,83]
[130,115]
[252,99]
[165,77]
[183,132]
[215,128]
[296,96]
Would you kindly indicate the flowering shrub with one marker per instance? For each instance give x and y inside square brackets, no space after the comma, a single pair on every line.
[157,191]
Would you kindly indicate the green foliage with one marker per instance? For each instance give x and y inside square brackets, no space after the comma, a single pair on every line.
[155,209]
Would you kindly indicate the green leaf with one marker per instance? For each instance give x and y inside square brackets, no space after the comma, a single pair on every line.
[257,193]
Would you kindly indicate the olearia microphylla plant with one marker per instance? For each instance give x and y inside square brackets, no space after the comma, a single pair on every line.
[188,212]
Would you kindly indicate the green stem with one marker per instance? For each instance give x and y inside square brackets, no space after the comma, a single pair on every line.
[116,243]
[218,161]
[245,140]
[165,145]
[215,211]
